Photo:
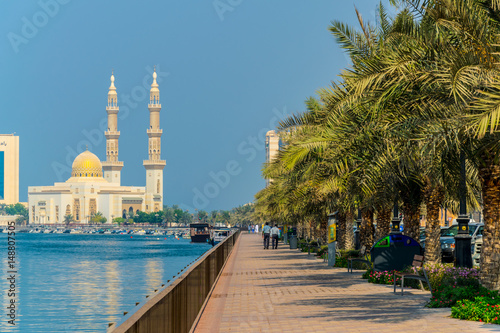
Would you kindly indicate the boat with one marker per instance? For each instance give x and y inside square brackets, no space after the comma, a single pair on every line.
[200,232]
[186,236]
[218,235]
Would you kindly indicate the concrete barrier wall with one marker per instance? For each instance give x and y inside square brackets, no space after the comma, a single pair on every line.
[175,308]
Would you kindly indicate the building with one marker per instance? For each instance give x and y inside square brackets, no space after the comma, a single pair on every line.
[9,169]
[96,187]
[272,148]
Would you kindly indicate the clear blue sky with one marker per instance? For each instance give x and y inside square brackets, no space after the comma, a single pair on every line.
[227,74]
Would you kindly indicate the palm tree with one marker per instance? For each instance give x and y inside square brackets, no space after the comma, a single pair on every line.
[68,219]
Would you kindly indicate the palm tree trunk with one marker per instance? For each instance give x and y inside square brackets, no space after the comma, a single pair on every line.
[367,229]
[323,230]
[300,229]
[433,197]
[341,231]
[383,223]
[489,174]
[411,220]
[310,234]
[349,230]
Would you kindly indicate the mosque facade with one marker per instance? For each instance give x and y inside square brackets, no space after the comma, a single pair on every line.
[95,186]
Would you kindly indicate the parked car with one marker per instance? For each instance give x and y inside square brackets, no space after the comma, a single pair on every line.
[477,244]
[447,239]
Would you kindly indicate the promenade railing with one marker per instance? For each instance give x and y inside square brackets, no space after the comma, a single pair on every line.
[175,308]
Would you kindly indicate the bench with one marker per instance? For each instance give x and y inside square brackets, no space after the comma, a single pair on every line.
[363,259]
[314,248]
[418,262]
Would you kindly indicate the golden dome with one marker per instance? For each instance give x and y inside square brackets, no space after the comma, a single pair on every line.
[86,165]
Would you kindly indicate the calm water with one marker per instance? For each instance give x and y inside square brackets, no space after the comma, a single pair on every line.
[81,282]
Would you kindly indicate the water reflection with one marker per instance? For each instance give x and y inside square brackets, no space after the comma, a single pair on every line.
[80,283]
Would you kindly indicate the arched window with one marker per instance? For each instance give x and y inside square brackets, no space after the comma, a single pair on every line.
[124,214]
[158,186]
[131,211]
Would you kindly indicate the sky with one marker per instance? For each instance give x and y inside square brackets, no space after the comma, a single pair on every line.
[228,71]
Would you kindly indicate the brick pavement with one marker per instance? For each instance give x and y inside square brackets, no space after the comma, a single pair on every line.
[288,291]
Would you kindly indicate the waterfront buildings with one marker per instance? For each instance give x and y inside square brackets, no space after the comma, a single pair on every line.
[9,169]
[96,187]
[272,148]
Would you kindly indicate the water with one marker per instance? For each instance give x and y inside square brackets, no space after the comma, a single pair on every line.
[82,282]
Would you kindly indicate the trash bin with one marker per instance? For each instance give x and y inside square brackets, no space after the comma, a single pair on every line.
[293,241]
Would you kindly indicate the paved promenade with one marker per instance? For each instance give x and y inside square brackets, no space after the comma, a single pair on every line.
[288,291]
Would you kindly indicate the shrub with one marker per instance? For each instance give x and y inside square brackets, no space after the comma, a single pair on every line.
[322,251]
[343,255]
[483,308]
[447,295]
[443,274]
[313,243]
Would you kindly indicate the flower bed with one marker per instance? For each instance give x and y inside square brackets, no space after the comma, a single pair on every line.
[484,308]
[449,284]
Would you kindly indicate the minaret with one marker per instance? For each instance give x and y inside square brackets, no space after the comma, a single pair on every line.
[272,148]
[154,165]
[112,167]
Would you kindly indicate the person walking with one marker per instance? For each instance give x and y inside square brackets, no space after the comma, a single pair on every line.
[265,232]
[275,234]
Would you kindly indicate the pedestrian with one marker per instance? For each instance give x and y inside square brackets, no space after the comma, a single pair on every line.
[265,233]
[275,234]
[249,228]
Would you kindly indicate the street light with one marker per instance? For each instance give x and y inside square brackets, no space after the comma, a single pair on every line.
[357,240]
[395,220]
[463,255]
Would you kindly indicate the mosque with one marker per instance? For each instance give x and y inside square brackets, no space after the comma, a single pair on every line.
[95,187]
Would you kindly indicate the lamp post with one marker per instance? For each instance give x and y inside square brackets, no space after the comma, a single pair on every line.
[395,220]
[156,218]
[463,255]
[357,240]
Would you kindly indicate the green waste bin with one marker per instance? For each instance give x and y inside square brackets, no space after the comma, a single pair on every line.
[293,242]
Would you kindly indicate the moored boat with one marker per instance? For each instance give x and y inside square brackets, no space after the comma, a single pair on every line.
[218,235]
[200,232]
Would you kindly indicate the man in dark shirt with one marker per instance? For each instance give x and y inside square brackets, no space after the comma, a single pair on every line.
[265,231]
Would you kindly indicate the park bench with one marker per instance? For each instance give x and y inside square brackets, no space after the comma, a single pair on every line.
[314,248]
[363,259]
[418,262]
